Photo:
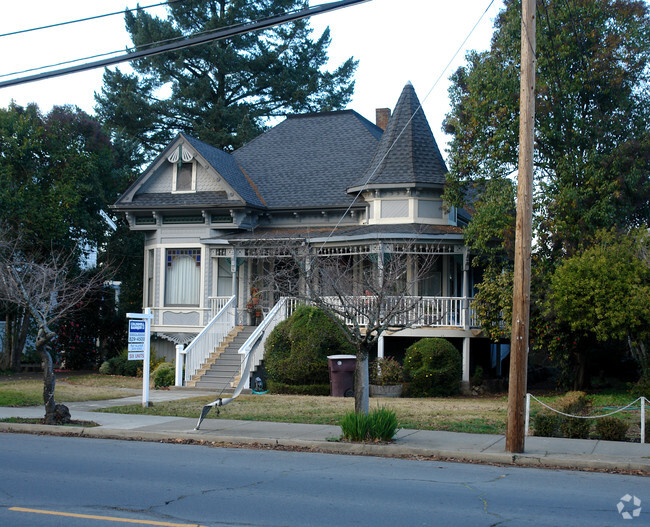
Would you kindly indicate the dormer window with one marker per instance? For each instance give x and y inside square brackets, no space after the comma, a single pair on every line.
[184,178]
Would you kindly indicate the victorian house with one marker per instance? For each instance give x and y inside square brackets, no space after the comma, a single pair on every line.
[331,180]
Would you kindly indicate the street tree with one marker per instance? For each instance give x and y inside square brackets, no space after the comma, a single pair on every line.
[602,293]
[57,172]
[47,288]
[365,294]
[222,92]
[592,142]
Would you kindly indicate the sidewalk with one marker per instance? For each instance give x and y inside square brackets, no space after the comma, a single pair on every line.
[540,451]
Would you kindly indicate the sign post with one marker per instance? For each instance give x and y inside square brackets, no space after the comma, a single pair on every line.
[139,346]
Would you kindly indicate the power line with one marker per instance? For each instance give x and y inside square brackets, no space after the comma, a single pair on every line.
[419,108]
[211,36]
[58,24]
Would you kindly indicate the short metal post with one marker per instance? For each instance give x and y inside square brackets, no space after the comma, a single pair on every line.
[527,423]
[180,362]
[642,419]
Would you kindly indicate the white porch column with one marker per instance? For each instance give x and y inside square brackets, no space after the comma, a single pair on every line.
[465,388]
[380,347]
[466,292]
[234,275]
[180,360]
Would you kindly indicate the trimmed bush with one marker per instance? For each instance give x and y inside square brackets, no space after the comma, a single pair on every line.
[611,428]
[575,428]
[434,367]
[164,375]
[298,389]
[297,349]
[575,403]
[379,425]
[546,424]
[121,365]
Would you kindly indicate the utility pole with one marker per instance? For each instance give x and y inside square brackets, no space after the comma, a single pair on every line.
[523,235]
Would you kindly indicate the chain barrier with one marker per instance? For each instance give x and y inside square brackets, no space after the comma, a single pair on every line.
[642,400]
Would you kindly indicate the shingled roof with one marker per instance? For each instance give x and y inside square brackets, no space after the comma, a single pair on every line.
[310,160]
[407,153]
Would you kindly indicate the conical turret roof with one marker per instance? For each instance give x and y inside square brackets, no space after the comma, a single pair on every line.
[407,153]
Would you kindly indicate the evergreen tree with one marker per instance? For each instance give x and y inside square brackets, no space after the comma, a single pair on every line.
[221,92]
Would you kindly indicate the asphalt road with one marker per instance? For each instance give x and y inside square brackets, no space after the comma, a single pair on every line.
[73,482]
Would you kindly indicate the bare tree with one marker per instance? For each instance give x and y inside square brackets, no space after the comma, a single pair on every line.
[47,288]
[365,292]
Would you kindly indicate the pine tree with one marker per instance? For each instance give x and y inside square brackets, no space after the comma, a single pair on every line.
[226,91]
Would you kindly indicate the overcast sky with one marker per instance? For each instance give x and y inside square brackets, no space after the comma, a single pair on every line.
[396,41]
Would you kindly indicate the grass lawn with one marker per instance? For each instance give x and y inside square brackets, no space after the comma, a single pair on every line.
[479,415]
[486,414]
[91,387]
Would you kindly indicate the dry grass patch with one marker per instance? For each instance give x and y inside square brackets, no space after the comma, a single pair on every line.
[477,415]
[71,389]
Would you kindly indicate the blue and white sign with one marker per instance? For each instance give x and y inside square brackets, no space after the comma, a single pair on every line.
[139,347]
[137,331]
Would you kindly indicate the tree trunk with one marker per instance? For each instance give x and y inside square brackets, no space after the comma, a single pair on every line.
[361,383]
[582,380]
[19,342]
[49,383]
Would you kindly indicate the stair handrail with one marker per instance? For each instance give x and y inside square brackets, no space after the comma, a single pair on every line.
[211,336]
[252,351]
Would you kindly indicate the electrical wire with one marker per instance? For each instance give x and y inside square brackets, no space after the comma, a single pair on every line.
[58,24]
[180,42]
[419,108]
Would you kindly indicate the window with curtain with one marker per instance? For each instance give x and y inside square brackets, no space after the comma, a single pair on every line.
[224,279]
[183,277]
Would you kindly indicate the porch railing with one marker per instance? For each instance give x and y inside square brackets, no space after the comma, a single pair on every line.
[209,338]
[217,303]
[252,351]
[429,311]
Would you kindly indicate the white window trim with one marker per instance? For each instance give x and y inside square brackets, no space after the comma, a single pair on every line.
[193,189]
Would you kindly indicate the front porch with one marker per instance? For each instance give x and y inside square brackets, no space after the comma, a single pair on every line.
[422,312]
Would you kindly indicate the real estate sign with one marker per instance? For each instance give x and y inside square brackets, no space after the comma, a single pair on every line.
[139,349]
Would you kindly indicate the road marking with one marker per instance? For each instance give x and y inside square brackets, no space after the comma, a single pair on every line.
[105,518]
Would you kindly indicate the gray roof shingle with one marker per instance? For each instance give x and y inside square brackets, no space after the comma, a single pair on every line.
[407,152]
[227,166]
[310,160]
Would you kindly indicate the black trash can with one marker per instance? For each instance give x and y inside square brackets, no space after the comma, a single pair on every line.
[341,368]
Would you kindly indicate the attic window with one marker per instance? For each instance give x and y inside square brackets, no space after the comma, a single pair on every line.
[184,179]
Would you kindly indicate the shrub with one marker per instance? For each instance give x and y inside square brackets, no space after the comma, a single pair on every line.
[611,428]
[164,375]
[575,428]
[379,425]
[121,365]
[575,403]
[545,424]
[297,349]
[477,378]
[572,403]
[386,371]
[297,389]
[434,367]
[105,368]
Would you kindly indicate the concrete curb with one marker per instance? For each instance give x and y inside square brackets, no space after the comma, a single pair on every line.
[581,462]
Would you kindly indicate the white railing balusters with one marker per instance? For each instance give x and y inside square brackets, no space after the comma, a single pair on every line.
[252,351]
[209,338]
